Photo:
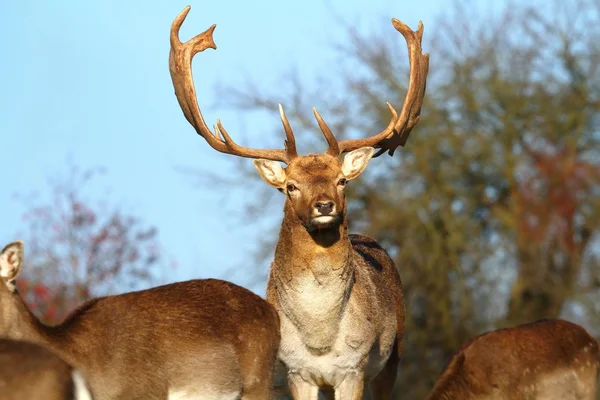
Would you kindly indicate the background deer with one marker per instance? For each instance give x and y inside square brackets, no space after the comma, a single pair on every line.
[188,340]
[339,296]
[30,371]
[547,359]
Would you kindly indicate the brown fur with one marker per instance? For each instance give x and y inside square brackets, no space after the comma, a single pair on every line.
[547,359]
[30,371]
[357,287]
[139,345]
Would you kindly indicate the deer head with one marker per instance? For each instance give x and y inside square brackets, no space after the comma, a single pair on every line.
[314,184]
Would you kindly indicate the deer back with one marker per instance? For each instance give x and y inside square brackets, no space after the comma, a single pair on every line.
[547,359]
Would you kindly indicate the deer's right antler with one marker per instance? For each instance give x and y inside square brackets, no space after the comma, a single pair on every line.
[180,66]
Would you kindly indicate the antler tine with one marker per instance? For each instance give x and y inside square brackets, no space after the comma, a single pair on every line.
[411,110]
[290,142]
[333,148]
[180,67]
[399,128]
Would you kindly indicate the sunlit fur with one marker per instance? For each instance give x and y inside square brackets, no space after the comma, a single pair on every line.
[544,360]
[339,296]
[186,339]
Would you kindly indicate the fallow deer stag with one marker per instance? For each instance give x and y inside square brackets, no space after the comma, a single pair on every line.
[200,339]
[544,360]
[31,371]
[339,296]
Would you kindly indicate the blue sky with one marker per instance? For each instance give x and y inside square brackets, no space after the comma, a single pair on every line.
[90,80]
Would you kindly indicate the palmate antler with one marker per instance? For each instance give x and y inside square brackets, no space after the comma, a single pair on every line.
[396,133]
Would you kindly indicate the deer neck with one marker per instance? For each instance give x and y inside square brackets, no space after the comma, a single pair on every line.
[313,275]
[22,324]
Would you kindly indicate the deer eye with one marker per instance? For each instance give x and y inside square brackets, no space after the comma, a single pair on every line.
[291,188]
[342,182]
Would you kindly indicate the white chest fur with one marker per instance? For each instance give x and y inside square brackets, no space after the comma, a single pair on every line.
[314,302]
[355,345]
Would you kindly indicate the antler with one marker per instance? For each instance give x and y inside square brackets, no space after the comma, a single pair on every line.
[180,66]
[399,128]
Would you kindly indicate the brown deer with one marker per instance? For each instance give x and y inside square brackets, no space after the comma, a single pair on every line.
[31,371]
[200,339]
[544,360]
[339,296]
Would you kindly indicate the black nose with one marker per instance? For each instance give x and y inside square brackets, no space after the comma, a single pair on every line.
[324,207]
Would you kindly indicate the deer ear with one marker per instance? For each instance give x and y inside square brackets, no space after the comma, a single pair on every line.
[11,260]
[356,161]
[271,172]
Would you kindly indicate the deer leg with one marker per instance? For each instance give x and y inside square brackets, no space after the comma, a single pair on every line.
[382,385]
[301,389]
[328,393]
[351,388]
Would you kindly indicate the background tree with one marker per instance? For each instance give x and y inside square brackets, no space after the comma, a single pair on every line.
[77,248]
[492,211]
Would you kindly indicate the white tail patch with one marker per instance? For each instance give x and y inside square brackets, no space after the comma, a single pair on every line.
[81,390]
